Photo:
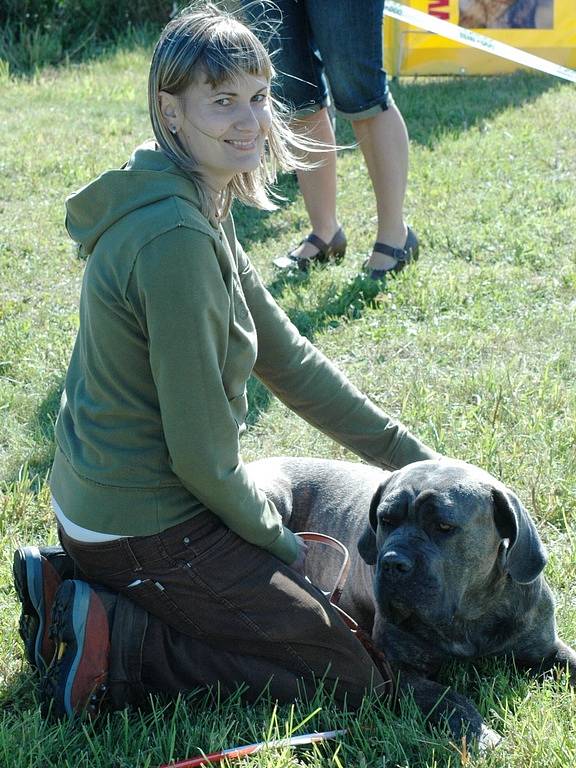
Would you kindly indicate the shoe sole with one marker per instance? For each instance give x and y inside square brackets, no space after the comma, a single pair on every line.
[28,581]
[81,603]
[70,627]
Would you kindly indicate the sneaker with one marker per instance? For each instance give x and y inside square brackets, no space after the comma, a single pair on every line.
[76,680]
[37,575]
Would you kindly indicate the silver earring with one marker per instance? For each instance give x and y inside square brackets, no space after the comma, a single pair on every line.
[173,129]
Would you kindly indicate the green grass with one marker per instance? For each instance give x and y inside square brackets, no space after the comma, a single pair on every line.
[473,349]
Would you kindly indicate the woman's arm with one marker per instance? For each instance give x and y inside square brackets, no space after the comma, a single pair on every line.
[308,383]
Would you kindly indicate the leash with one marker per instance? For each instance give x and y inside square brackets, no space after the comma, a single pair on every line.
[334,597]
[322,538]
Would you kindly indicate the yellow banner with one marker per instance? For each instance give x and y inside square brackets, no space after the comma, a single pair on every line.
[544,28]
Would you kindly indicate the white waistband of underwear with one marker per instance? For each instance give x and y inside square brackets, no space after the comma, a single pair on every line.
[78,533]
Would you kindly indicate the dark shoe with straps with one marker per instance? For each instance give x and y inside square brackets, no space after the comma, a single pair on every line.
[403,256]
[334,251]
[77,679]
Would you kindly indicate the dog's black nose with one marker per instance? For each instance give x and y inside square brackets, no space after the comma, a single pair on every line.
[396,563]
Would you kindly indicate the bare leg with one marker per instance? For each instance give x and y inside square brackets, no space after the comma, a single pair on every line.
[383,140]
[318,185]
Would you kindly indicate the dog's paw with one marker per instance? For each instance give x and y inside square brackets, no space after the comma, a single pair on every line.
[487,739]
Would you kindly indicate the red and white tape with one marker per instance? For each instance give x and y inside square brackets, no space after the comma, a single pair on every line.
[474,40]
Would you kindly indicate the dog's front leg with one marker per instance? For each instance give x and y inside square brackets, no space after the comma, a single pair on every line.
[561,658]
[444,707]
[414,661]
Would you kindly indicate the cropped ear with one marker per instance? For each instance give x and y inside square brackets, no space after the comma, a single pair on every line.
[367,542]
[527,555]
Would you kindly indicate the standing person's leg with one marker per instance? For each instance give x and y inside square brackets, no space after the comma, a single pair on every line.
[383,140]
[349,38]
[300,84]
[228,612]
[318,184]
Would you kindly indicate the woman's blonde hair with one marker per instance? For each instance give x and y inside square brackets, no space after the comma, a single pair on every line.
[208,40]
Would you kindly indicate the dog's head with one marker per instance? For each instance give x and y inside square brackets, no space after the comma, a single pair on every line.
[444,536]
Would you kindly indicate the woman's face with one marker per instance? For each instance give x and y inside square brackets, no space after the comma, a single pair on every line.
[224,127]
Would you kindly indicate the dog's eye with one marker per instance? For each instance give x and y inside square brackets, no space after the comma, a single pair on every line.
[445,527]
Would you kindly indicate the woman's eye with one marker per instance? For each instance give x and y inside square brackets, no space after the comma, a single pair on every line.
[259,98]
[385,521]
[223,102]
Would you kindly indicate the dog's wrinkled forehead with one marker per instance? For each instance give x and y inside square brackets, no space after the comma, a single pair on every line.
[447,469]
[453,482]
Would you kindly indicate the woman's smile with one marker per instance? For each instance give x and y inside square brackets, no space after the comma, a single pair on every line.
[242,144]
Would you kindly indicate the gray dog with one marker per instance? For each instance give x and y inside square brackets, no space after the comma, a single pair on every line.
[446,564]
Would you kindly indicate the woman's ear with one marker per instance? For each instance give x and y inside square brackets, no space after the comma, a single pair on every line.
[170,110]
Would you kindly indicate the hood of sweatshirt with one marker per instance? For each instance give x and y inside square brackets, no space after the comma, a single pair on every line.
[148,177]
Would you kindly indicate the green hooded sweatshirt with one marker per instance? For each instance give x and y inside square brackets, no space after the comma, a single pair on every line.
[173,321]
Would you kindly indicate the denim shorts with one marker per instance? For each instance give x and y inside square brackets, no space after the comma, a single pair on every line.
[316,42]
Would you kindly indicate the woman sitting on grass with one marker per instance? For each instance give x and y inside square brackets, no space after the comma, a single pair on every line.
[201,582]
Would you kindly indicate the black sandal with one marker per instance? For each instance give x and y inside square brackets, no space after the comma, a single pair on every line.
[403,256]
[333,251]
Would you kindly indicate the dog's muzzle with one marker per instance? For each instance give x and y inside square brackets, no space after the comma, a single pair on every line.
[396,564]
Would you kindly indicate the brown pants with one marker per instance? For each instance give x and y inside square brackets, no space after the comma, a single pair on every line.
[218,610]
